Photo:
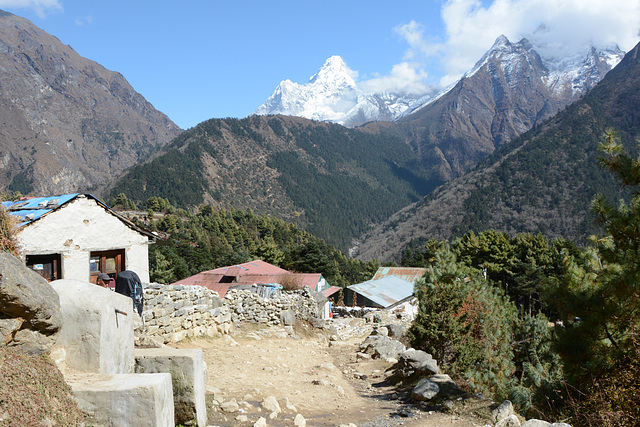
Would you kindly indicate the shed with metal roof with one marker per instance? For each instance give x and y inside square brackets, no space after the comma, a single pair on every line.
[382,293]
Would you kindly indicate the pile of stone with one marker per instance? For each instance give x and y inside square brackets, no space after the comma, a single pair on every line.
[282,308]
[174,312]
[505,416]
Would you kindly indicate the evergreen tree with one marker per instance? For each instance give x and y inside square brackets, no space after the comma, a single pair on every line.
[466,323]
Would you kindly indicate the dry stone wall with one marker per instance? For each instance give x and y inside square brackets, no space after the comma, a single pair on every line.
[279,309]
[175,312]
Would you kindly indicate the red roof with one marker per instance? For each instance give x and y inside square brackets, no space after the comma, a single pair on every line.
[330,291]
[249,273]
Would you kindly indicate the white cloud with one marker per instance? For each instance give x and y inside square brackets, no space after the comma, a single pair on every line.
[556,27]
[405,77]
[40,7]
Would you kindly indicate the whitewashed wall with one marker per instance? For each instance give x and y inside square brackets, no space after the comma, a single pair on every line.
[80,227]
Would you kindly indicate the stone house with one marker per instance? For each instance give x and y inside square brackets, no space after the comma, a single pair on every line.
[77,236]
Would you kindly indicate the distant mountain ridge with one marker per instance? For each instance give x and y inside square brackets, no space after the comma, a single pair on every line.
[507,92]
[330,180]
[332,94]
[315,180]
[68,124]
[543,181]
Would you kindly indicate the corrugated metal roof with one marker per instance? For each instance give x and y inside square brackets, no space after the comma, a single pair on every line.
[34,208]
[330,291]
[249,273]
[410,274]
[386,291]
[252,267]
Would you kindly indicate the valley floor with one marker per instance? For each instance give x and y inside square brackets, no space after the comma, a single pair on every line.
[320,379]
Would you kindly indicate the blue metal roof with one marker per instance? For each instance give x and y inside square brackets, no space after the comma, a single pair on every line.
[30,210]
[386,291]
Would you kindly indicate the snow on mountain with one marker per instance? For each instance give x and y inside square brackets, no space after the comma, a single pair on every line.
[574,75]
[332,94]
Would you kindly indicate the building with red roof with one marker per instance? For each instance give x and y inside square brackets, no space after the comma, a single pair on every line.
[253,273]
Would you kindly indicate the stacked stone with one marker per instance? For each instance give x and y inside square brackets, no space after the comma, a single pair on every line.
[175,312]
[249,307]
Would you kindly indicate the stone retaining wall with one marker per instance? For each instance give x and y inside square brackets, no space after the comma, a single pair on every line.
[175,312]
[249,307]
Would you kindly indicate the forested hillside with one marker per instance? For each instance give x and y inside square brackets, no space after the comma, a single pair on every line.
[331,181]
[208,239]
[543,181]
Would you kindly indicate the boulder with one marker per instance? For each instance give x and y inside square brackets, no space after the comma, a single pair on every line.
[448,388]
[425,390]
[30,316]
[510,421]
[288,317]
[504,410]
[396,330]
[416,362]
[381,346]
[271,404]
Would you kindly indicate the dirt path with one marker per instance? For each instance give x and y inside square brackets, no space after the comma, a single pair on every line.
[309,375]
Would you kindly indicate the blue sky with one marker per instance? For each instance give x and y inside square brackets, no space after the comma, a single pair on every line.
[199,59]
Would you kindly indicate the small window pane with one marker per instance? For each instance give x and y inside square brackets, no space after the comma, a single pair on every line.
[94,264]
[110,264]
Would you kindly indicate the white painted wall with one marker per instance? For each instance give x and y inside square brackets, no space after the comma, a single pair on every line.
[78,228]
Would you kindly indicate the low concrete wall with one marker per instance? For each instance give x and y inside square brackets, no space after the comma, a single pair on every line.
[97,328]
[188,377]
[141,400]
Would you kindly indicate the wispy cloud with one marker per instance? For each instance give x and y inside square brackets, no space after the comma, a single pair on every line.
[557,29]
[40,7]
[81,21]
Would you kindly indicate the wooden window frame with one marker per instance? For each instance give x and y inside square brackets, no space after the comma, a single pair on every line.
[55,260]
[118,254]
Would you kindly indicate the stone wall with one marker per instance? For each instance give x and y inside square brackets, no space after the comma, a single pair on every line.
[175,312]
[249,307]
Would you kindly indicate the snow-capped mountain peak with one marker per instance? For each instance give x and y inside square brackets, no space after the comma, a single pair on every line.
[333,95]
[334,70]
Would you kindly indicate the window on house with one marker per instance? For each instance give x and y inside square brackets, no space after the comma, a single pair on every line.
[110,262]
[48,266]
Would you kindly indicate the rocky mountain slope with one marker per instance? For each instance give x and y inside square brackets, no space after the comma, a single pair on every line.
[330,180]
[543,181]
[67,123]
[510,90]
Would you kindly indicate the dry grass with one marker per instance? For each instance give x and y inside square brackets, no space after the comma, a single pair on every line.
[8,223]
[34,393]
